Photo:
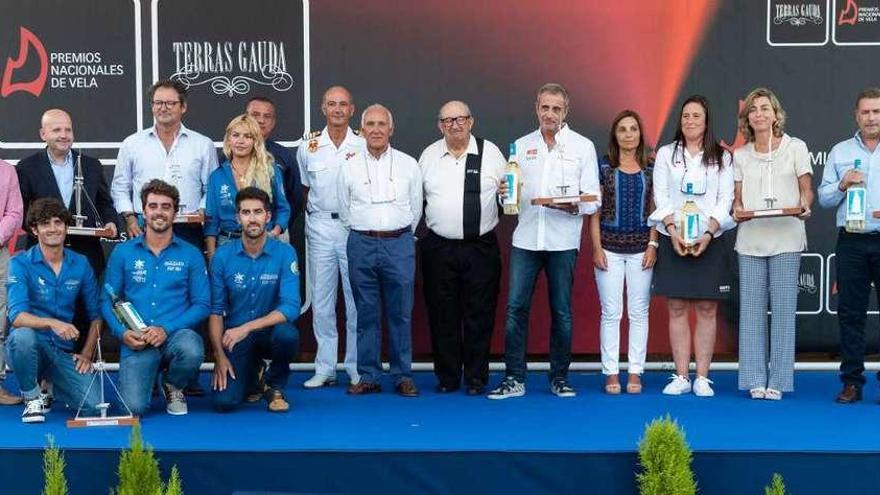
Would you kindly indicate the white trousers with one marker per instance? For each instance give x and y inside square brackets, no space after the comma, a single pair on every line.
[628,268]
[327,260]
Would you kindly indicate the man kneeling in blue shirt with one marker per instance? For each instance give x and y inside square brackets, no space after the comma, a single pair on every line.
[43,286]
[165,278]
[254,305]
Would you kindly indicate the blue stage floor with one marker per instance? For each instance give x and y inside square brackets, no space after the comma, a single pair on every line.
[728,433]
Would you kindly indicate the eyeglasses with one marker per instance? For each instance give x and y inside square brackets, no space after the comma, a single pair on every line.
[448,121]
[165,104]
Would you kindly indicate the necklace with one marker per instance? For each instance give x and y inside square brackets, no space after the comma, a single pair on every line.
[239,176]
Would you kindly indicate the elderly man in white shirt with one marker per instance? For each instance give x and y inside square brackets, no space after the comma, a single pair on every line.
[380,202]
[555,161]
[461,264]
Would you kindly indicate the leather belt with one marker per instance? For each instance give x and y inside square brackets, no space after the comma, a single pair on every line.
[383,234]
[231,235]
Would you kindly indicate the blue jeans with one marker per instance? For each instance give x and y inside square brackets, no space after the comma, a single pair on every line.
[33,356]
[279,343]
[558,267]
[179,357]
[383,269]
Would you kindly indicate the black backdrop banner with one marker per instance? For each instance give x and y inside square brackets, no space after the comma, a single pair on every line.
[97,59]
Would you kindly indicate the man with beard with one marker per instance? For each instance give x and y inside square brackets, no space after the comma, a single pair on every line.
[44,283]
[166,281]
[254,305]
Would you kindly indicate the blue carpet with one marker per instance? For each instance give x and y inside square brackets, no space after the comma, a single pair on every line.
[327,419]
[436,442]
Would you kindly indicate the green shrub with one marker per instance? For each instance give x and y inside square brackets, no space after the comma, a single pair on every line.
[666,460]
[175,487]
[53,470]
[138,469]
[777,487]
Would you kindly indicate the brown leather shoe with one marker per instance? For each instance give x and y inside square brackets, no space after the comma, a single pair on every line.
[275,400]
[850,394]
[7,399]
[406,388]
[362,388]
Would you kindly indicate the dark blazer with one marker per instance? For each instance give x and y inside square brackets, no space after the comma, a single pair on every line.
[36,180]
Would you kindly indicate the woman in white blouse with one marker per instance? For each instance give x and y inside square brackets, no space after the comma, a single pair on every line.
[693,167]
[771,171]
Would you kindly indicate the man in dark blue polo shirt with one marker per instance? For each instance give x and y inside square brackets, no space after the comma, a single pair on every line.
[254,304]
[166,280]
[43,286]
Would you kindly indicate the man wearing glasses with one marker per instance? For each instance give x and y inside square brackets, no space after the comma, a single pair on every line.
[167,151]
[461,265]
[380,198]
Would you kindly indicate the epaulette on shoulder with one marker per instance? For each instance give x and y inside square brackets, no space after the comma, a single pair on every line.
[311,135]
[357,132]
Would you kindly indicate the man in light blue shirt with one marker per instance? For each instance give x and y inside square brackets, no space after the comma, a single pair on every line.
[858,248]
[43,286]
[166,281]
[167,151]
[254,305]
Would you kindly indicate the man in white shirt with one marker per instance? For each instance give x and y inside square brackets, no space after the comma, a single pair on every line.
[555,161]
[167,151]
[461,264]
[320,159]
[380,198]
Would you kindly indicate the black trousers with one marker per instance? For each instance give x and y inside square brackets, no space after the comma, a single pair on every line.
[461,281]
[858,265]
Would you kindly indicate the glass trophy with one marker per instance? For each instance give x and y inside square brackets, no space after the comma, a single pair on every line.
[78,227]
[566,190]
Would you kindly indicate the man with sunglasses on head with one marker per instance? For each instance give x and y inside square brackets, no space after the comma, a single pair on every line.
[461,264]
[380,199]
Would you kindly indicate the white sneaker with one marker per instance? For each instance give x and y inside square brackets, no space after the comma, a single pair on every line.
[33,411]
[318,381]
[702,388]
[510,387]
[46,400]
[679,385]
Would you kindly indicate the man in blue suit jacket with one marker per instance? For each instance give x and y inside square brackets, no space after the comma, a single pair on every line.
[51,173]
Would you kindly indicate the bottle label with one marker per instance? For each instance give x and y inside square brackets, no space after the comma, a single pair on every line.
[512,197]
[692,228]
[855,204]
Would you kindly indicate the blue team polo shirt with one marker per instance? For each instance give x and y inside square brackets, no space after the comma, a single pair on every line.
[220,206]
[245,288]
[34,288]
[170,290]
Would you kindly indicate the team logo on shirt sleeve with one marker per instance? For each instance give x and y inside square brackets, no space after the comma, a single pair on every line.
[294,268]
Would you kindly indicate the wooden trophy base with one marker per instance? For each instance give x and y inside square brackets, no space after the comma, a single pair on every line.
[89,232]
[189,218]
[108,421]
[770,213]
[564,200]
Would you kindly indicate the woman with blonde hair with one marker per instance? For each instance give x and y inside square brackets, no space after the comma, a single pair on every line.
[771,171]
[247,164]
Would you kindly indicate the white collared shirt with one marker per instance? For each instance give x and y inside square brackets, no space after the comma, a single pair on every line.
[670,173]
[142,158]
[319,169]
[383,194]
[443,177]
[569,169]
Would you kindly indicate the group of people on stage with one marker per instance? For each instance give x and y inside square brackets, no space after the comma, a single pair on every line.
[231,275]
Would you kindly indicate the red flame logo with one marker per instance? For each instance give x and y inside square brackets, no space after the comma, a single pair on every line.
[28,40]
[849,15]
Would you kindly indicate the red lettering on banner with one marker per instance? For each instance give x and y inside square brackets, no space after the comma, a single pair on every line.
[35,87]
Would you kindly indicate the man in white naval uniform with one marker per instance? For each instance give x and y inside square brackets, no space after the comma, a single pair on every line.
[319,161]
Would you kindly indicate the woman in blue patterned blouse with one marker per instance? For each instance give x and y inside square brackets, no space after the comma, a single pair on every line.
[624,249]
